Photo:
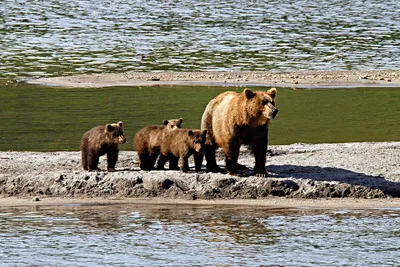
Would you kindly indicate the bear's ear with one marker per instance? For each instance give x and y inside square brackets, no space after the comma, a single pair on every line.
[120,123]
[272,92]
[109,128]
[165,122]
[190,132]
[248,93]
[179,121]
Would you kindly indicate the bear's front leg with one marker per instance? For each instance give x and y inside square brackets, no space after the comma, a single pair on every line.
[184,162]
[112,157]
[198,161]
[260,154]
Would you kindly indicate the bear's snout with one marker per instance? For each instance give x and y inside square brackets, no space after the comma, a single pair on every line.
[121,139]
[197,147]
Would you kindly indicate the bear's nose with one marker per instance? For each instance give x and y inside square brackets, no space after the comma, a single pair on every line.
[274,113]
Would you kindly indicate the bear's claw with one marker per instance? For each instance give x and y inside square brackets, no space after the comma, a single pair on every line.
[260,174]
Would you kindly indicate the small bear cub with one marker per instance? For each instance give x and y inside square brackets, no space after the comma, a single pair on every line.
[147,142]
[180,145]
[101,140]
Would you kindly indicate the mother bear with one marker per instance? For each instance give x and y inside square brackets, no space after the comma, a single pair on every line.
[232,119]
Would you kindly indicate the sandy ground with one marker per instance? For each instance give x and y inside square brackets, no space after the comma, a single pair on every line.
[355,174]
[269,202]
[296,79]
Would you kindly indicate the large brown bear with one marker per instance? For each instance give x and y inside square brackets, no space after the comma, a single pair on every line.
[147,142]
[181,144]
[233,119]
[101,140]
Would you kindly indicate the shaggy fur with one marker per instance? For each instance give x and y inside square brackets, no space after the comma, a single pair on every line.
[233,119]
[180,145]
[101,140]
[147,142]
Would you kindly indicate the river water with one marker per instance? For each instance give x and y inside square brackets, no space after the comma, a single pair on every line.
[182,235]
[55,37]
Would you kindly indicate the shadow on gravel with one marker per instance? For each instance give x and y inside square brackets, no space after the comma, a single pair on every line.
[334,174]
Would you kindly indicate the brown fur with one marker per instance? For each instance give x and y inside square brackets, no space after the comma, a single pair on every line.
[180,144]
[101,140]
[233,119]
[147,142]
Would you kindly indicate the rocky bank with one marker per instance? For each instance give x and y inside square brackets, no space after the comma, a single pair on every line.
[357,170]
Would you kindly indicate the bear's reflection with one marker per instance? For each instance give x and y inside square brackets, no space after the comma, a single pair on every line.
[244,225]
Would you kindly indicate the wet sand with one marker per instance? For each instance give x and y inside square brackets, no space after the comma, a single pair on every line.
[269,202]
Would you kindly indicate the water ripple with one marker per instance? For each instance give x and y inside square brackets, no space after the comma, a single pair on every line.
[150,235]
[52,38]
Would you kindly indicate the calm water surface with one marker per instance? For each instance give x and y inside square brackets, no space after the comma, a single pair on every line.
[53,38]
[52,119]
[140,235]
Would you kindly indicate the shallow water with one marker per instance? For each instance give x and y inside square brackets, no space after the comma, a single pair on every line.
[38,118]
[53,38]
[183,235]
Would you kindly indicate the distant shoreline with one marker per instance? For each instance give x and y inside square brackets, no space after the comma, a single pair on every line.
[296,79]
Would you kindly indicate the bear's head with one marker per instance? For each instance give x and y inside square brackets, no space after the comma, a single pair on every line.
[116,133]
[197,139]
[173,124]
[261,105]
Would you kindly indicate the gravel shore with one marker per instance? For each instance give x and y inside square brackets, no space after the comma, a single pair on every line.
[297,171]
[298,79]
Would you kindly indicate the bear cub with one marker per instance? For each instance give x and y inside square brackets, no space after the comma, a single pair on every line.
[180,145]
[101,140]
[147,142]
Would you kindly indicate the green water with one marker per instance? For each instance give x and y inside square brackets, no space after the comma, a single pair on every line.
[37,118]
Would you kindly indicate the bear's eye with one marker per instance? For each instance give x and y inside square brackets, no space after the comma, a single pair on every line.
[118,133]
[264,102]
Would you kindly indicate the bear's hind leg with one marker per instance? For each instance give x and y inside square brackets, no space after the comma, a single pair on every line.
[152,160]
[92,161]
[231,157]
[112,157]
[173,162]
[84,160]
[144,161]
[209,153]
[161,162]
